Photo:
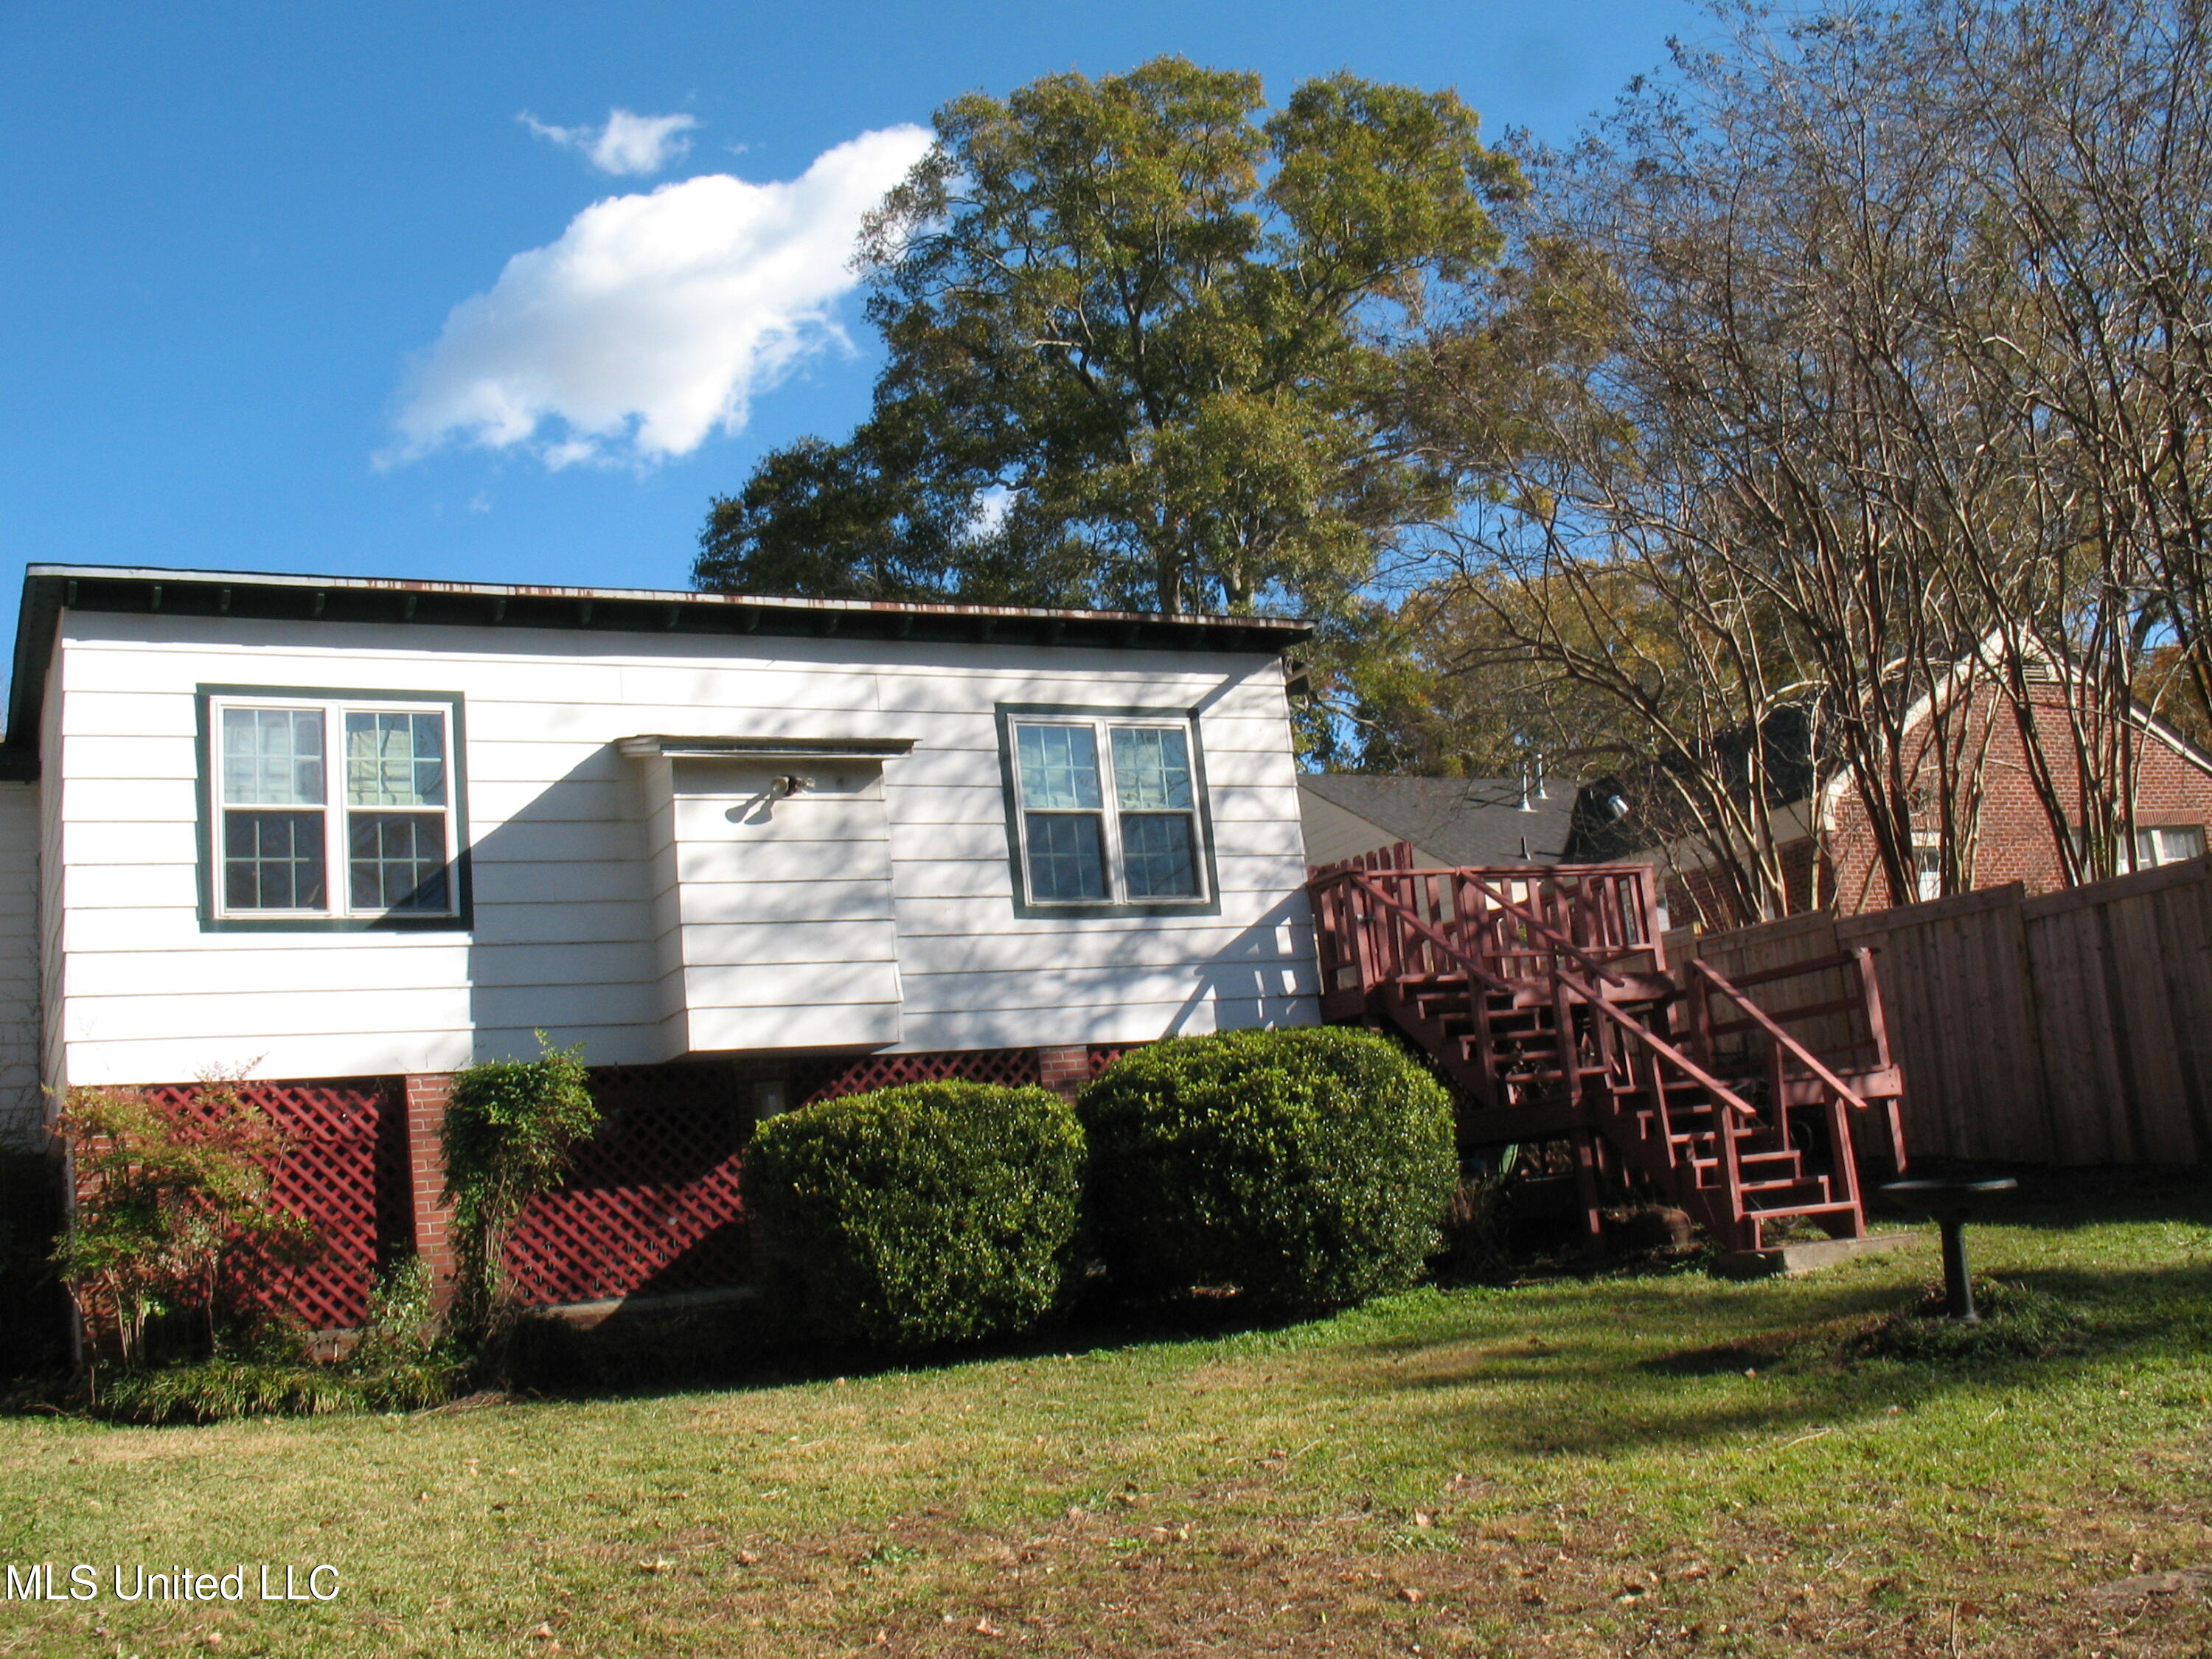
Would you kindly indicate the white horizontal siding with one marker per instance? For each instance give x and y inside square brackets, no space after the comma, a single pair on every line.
[734,857]
[1068,987]
[96,975]
[776,903]
[53,1052]
[921,919]
[21,1108]
[562,841]
[305,1053]
[514,881]
[1208,948]
[795,943]
[740,993]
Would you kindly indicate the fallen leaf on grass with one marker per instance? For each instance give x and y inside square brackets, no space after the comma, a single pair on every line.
[2180,1582]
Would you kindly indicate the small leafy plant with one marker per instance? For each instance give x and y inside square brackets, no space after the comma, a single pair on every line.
[167,1198]
[400,1362]
[510,1129]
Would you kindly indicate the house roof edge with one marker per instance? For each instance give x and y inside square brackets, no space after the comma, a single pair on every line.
[48,589]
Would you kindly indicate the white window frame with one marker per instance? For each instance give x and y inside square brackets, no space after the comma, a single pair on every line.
[1101,727]
[2159,857]
[1927,866]
[338,864]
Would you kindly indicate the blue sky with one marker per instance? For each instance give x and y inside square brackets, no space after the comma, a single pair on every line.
[240,313]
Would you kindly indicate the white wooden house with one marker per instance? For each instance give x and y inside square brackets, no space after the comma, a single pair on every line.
[344,827]
[327,826]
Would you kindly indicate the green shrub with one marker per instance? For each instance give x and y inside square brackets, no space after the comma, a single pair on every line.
[935,1213]
[1310,1168]
[510,1128]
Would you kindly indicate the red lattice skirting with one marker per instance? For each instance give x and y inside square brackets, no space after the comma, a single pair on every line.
[824,1079]
[1104,1055]
[652,1205]
[345,1171]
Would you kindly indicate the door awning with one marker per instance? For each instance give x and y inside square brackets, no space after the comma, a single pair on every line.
[651,743]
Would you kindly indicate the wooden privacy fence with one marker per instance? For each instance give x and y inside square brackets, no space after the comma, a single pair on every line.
[2075,1028]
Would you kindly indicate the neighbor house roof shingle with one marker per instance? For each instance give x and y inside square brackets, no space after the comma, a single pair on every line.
[1451,822]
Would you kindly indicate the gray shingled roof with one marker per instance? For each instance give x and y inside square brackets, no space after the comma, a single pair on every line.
[1453,821]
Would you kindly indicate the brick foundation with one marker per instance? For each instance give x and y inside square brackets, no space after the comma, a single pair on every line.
[426,1094]
[1064,1071]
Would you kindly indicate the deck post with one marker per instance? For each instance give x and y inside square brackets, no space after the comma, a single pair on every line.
[1586,1195]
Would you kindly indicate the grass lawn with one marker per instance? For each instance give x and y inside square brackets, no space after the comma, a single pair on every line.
[1655,1464]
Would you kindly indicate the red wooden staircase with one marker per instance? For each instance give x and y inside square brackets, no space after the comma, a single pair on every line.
[1544,995]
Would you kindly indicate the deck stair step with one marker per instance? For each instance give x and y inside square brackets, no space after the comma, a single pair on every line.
[1544,996]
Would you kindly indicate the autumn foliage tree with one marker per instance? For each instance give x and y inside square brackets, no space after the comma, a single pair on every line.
[1864,354]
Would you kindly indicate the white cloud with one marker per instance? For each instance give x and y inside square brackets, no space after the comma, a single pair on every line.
[989,509]
[628,143]
[654,320]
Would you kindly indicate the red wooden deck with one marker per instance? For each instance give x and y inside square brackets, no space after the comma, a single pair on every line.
[1544,995]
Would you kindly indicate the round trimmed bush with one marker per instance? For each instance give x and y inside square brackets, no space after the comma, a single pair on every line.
[931,1213]
[1310,1167]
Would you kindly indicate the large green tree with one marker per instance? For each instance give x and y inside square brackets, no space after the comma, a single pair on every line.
[1142,334]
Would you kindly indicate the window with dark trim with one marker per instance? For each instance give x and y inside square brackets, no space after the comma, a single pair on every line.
[2168,844]
[332,808]
[1107,808]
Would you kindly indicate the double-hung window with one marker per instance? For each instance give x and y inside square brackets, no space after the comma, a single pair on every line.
[1107,809]
[340,808]
[2168,845]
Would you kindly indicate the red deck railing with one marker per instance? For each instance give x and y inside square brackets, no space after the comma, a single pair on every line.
[1545,993]
[1377,916]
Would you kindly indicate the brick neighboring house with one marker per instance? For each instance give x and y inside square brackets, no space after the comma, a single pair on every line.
[1828,850]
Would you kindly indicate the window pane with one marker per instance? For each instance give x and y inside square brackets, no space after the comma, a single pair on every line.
[272,757]
[397,860]
[1156,850]
[1059,767]
[1067,856]
[395,760]
[1151,769]
[272,861]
